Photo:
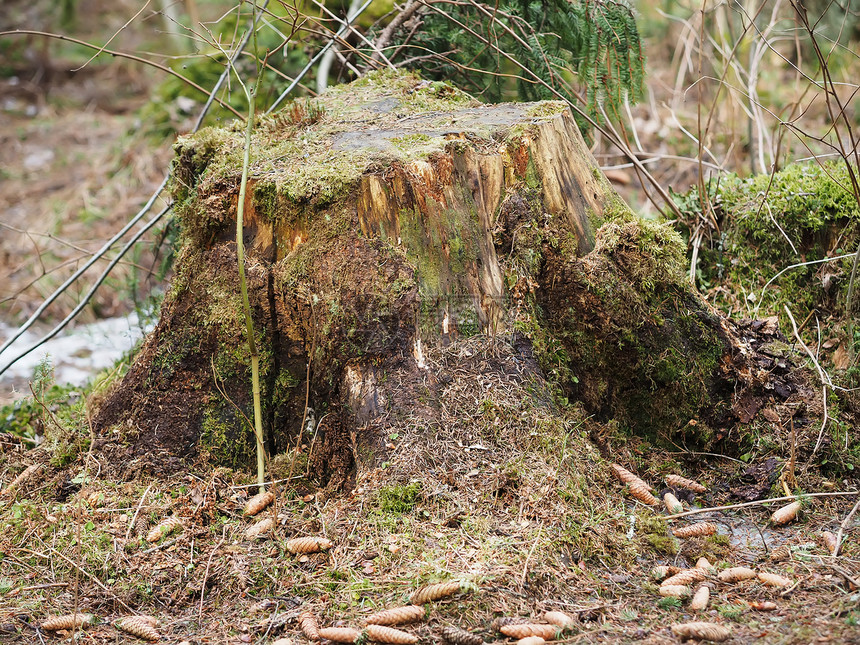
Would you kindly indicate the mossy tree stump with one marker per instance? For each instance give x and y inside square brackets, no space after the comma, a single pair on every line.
[386,217]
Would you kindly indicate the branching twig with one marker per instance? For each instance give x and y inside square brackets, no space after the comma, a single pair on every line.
[759,502]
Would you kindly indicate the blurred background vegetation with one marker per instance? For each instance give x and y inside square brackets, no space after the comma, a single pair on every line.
[733,106]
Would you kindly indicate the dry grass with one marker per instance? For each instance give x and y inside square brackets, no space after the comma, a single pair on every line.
[502,490]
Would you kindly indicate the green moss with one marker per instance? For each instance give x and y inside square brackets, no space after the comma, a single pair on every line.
[804,213]
[546,109]
[228,441]
[398,499]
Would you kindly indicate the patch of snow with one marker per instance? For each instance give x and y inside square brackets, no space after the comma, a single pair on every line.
[77,354]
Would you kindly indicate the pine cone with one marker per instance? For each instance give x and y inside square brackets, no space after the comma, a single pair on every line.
[139,626]
[703,563]
[785,514]
[141,525]
[308,545]
[558,618]
[685,577]
[259,529]
[340,634]
[164,529]
[641,491]
[736,574]
[501,621]
[702,631]
[522,630]
[397,615]
[383,634]
[695,530]
[310,628]
[672,504]
[829,541]
[429,593]
[676,481]
[241,571]
[531,640]
[625,476]
[700,599]
[457,636]
[773,580]
[675,591]
[780,554]
[258,502]
[68,621]
[663,571]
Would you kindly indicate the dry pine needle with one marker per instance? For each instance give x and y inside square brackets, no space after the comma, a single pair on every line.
[309,626]
[340,634]
[397,615]
[522,630]
[701,529]
[308,545]
[68,621]
[258,502]
[785,514]
[457,636]
[676,481]
[437,591]
[383,634]
[139,626]
[702,631]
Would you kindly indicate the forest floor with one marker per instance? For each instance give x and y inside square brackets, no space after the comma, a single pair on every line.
[526,522]
[526,526]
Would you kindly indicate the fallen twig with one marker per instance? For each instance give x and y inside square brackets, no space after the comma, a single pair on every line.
[844,526]
[136,512]
[758,502]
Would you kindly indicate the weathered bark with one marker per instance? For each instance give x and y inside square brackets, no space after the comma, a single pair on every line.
[404,217]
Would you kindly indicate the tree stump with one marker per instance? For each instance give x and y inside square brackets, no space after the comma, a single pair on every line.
[391,219]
